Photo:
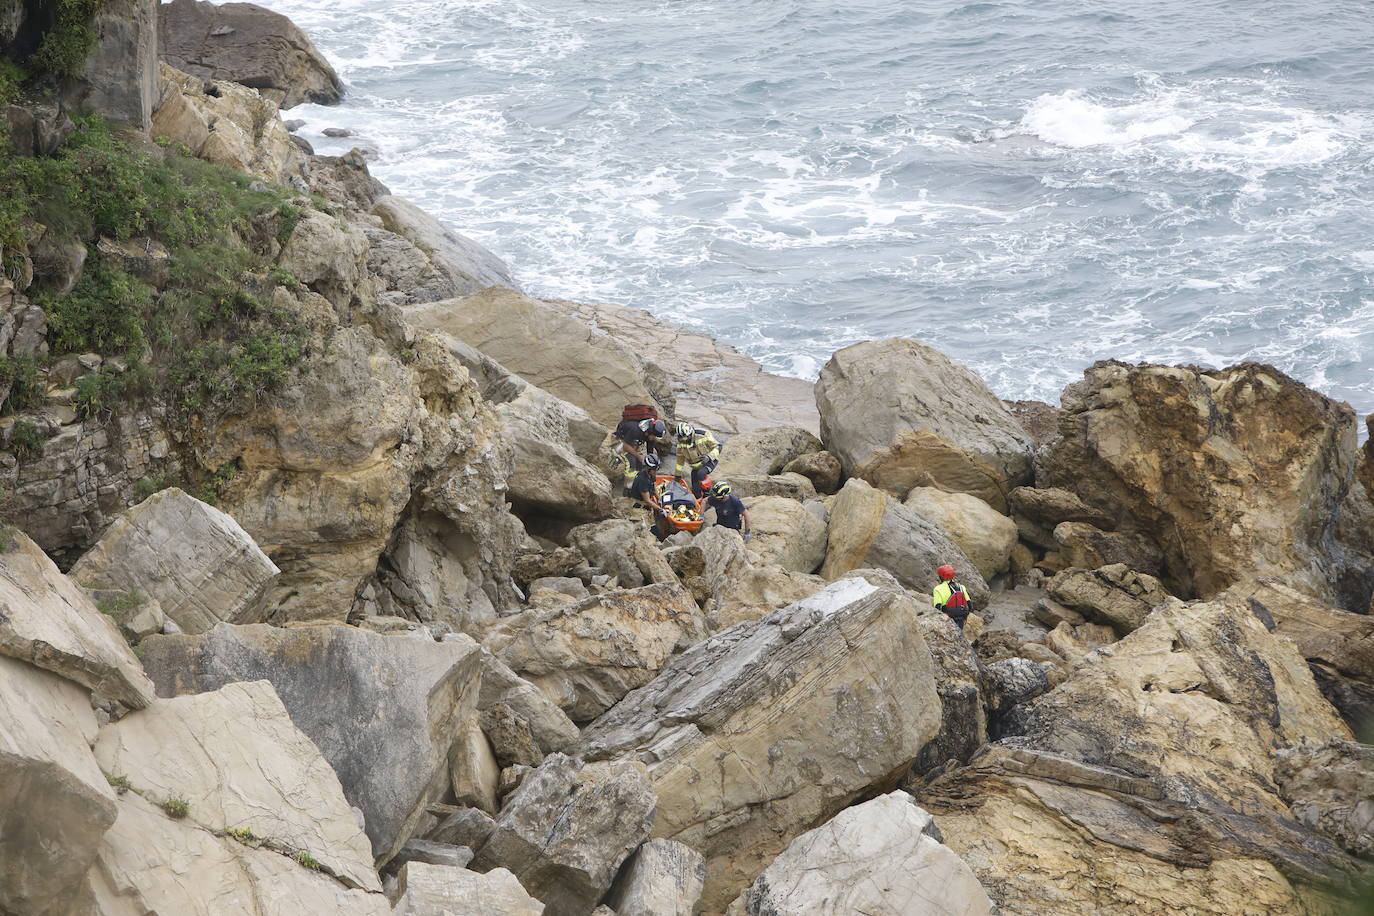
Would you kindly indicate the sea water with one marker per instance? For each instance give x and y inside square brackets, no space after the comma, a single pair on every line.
[1030,186]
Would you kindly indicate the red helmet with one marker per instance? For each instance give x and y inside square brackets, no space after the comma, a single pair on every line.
[945,572]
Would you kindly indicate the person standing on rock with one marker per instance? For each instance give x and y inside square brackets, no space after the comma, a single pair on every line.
[730,511]
[950,597]
[697,451]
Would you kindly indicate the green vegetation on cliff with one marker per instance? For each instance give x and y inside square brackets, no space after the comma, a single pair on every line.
[195,325]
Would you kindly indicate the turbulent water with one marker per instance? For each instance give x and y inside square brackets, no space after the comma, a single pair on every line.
[1031,186]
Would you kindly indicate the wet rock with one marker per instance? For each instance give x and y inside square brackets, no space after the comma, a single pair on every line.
[383,710]
[247,44]
[756,734]
[1013,681]
[195,561]
[567,829]
[901,414]
[958,681]
[883,858]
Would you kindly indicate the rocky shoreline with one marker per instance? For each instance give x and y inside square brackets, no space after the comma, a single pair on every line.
[352,618]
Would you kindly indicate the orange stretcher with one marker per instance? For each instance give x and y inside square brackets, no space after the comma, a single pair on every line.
[679,509]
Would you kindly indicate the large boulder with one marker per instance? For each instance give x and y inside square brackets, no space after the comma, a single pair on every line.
[468,267]
[597,650]
[1338,645]
[1234,472]
[442,890]
[1087,546]
[583,366]
[246,44]
[549,476]
[901,414]
[765,451]
[868,528]
[548,727]
[985,535]
[54,802]
[192,559]
[764,730]
[234,756]
[119,80]
[959,682]
[152,863]
[1038,511]
[786,534]
[567,829]
[226,124]
[1151,773]
[607,545]
[733,589]
[385,711]
[662,878]
[328,255]
[821,468]
[881,858]
[48,621]
[1115,595]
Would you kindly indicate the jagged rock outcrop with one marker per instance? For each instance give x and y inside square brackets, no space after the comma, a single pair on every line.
[548,474]
[438,890]
[786,534]
[662,878]
[985,535]
[1084,545]
[194,561]
[821,468]
[1235,472]
[225,123]
[247,44]
[1338,645]
[597,650]
[760,732]
[468,267]
[712,384]
[48,621]
[586,367]
[1145,782]
[959,682]
[567,829]
[870,528]
[1038,511]
[1115,595]
[1330,789]
[54,802]
[881,858]
[234,756]
[901,414]
[765,451]
[383,710]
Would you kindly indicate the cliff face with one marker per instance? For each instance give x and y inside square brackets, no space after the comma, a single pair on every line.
[363,668]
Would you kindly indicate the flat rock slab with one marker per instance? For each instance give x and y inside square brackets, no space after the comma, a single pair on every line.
[194,560]
[437,890]
[235,756]
[48,620]
[385,711]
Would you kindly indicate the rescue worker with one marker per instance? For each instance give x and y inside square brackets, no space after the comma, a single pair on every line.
[730,511]
[644,489]
[627,464]
[697,451]
[949,596]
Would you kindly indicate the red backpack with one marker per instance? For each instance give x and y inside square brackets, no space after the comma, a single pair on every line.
[957,596]
[637,412]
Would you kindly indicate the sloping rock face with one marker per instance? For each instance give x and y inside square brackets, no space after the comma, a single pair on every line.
[760,732]
[870,528]
[605,646]
[48,621]
[383,710]
[663,878]
[234,755]
[1145,783]
[439,890]
[54,802]
[568,827]
[150,863]
[249,45]
[467,266]
[713,384]
[881,858]
[1235,473]
[985,535]
[586,367]
[192,559]
[1338,645]
[901,414]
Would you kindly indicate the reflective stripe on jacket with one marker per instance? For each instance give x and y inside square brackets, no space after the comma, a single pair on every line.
[701,447]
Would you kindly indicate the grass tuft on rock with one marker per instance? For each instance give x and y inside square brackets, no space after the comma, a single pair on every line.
[175,808]
[309,861]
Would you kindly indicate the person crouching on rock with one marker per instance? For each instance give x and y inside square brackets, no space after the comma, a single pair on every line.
[949,596]
[698,451]
[644,491]
[730,511]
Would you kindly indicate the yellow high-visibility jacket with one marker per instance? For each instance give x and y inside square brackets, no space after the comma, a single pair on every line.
[698,449]
[940,595]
